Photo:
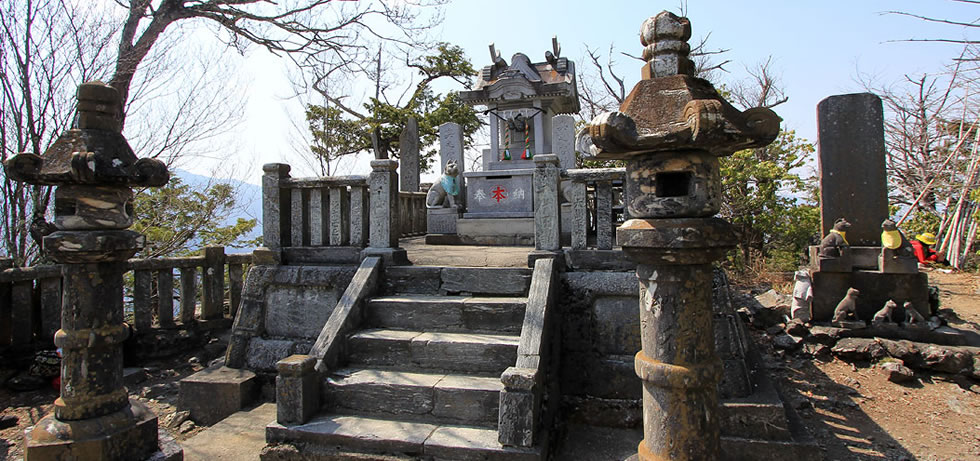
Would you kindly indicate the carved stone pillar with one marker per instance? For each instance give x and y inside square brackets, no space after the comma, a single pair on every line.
[670,131]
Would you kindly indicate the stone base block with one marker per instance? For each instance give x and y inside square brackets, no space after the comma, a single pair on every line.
[215,393]
[896,265]
[851,324]
[297,390]
[390,256]
[545,254]
[842,264]
[441,220]
[856,258]
[876,288]
[125,435]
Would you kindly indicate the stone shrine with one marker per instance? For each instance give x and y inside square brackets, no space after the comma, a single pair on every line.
[526,104]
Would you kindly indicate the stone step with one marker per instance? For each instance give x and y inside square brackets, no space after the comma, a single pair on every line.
[434,397]
[398,437]
[447,313]
[435,280]
[410,350]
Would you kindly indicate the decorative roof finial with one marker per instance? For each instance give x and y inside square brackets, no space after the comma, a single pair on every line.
[665,37]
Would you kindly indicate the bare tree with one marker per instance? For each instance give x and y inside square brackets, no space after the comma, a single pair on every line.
[966,25]
[311,33]
[44,53]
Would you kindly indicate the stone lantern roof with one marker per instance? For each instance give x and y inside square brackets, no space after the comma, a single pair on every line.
[93,153]
[520,82]
[670,109]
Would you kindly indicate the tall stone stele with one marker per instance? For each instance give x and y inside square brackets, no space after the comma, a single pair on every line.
[93,168]
[671,131]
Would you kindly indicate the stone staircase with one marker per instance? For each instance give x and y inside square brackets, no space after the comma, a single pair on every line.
[421,378]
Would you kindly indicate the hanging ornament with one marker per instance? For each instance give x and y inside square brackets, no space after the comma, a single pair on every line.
[527,155]
[506,142]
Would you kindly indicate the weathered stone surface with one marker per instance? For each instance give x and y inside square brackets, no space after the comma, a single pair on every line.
[859,349]
[499,192]
[467,399]
[946,360]
[518,413]
[547,222]
[563,139]
[897,372]
[473,444]
[263,354]
[785,341]
[498,230]
[382,391]
[297,390]
[313,282]
[454,313]
[442,351]
[412,280]
[823,335]
[408,158]
[489,281]
[441,220]
[465,352]
[130,433]
[331,341]
[876,289]
[384,204]
[816,349]
[617,333]
[215,393]
[357,434]
[852,166]
[602,283]
[298,310]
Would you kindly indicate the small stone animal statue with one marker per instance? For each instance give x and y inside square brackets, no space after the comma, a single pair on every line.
[802,295]
[443,193]
[847,306]
[835,241]
[912,315]
[885,314]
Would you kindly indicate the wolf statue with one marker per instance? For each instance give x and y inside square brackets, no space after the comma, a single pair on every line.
[444,192]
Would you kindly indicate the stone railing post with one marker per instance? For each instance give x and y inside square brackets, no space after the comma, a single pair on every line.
[580,215]
[408,145]
[547,220]
[673,191]
[273,202]
[520,406]
[93,416]
[383,234]
[297,389]
[213,304]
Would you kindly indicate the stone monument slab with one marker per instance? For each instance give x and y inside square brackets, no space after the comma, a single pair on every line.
[851,163]
[408,146]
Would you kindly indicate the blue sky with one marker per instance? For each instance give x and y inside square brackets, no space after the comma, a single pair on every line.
[817,49]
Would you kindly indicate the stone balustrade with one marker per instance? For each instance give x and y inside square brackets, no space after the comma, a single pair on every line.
[328,219]
[301,216]
[411,213]
[31,297]
[596,197]
[527,383]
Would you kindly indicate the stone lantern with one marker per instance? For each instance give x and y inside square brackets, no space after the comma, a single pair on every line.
[94,169]
[671,131]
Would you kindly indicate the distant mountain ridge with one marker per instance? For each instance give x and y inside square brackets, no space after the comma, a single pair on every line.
[248,199]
